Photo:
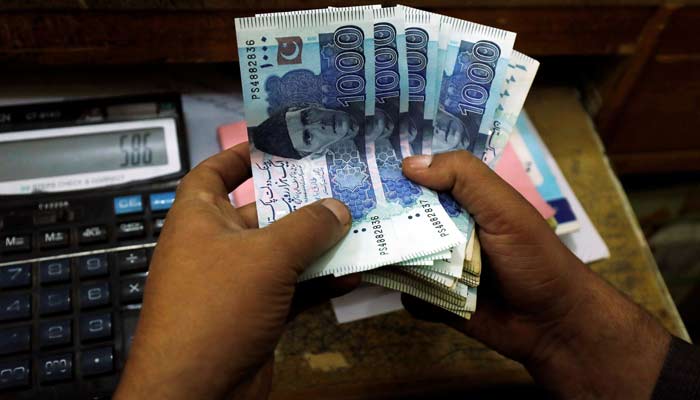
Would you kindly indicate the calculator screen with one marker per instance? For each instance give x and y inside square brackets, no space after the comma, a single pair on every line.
[79,154]
[88,156]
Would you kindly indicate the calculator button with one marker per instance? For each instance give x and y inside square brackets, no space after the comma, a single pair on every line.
[55,333]
[15,306]
[18,275]
[94,294]
[158,225]
[93,265]
[53,239]
[131,229]
[161,201]
[54,300]
[56,368]
[14,373]
[54,271]
[97,361]
[97,326]
[132,260]
[16,243]
[129,321]
[132,289]
[128,204]
[45,217]
[16,339]
[92,234]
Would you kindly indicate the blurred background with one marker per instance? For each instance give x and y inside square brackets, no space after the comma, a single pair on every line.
[634,63]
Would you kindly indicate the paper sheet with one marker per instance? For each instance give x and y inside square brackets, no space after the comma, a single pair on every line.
[229,136]
[364,302]
[586,243]
[511,170]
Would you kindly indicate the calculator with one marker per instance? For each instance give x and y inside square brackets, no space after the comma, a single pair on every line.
[85,187]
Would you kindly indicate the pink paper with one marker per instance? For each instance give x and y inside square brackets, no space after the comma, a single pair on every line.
[511,170]
[229,136]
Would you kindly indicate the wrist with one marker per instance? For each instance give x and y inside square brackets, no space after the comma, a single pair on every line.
[162,367]
[606,346]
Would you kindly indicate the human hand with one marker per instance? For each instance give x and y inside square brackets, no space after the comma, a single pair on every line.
[219,290]
[538,304]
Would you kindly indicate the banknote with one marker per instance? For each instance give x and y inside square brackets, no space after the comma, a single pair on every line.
[422,29]
[519,77]
[435,277]
[309,93]
[320,10]
[460,300]
[416,207]
[475,63]
[473,58]
[389,32]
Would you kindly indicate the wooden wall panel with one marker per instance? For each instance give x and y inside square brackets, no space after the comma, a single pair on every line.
[663,112]
[277,5]
[565,30]
[117,37]
[682,34]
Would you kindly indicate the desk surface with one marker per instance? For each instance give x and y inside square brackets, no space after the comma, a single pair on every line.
[395,355]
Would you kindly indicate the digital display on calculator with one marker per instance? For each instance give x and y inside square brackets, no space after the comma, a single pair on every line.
[87,156]
[65,155]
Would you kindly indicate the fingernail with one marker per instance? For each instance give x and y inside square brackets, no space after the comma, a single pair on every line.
[338,209]
[419,162]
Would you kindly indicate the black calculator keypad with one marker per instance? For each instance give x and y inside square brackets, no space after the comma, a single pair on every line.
[15,306]
[71,289]
[158,225]
[54,239]
[129,321]
[54,271]
[14,276]
[94,294]
[97,361]
[54,300]
[56,368]
[93,234]
[15,373]
[95,326]
[131,229]
[132,289]
[15,243]
[16,339]
[95,265]
[55,332]
[132,260]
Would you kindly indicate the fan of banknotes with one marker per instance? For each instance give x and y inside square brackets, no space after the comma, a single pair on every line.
[336,98]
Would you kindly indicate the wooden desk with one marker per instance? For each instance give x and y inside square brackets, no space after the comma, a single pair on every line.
[640,59]
[395,356]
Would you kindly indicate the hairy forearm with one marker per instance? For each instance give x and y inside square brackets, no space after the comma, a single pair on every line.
[607,347]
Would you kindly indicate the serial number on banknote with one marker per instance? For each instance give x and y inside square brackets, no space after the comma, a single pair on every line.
[379,235]
[253,76]
[433,218]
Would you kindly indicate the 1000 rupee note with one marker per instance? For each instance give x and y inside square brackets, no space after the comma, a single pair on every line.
[460,300]
[518,80]
[308,84]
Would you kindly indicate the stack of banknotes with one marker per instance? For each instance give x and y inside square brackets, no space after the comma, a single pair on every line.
[336,98]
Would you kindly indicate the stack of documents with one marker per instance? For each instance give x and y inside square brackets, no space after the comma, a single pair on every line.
[336,98]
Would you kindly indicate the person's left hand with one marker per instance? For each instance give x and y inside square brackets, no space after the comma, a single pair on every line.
[219,290]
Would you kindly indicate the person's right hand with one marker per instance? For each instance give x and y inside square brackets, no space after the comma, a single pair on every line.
[577,335]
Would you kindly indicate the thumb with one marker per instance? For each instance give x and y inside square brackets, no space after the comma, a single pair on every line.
[304,235]
[494,204]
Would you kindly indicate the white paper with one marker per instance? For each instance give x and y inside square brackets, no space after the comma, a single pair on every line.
[586,242]
[364,302]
